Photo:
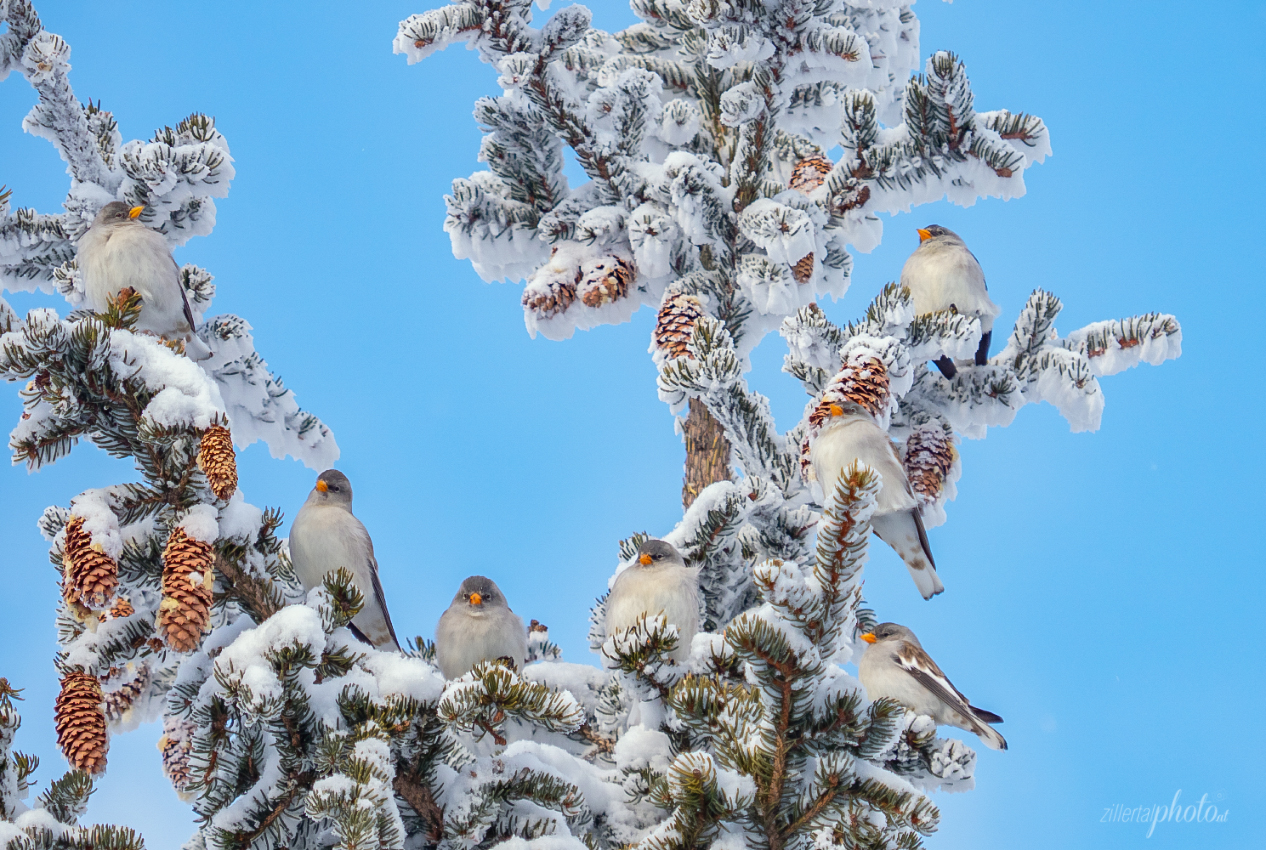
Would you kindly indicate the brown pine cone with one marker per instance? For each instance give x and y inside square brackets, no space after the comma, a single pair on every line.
[604,280]
[803,270]
[928,458]
[90,576]
[552,299]
[863,379]
[116,702]
[676,322]
[122,608]
[81,723]
[218,461]
[810,173]
[188,575]
[176,745]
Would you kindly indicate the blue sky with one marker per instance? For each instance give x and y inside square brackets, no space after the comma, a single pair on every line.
[1104,588]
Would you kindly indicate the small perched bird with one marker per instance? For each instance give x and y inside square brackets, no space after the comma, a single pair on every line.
[942,274]
[852,434]
[658,582]
[478,626]
[324,537]
[117,252]
[896,666]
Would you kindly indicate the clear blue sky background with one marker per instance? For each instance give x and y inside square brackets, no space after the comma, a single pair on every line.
[1104,589]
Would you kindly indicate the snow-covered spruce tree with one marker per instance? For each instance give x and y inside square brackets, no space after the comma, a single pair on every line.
[705,133]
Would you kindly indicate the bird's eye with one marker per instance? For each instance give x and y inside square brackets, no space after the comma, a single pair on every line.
[658,556]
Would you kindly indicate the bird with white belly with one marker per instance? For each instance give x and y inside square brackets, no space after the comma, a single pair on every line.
[657,582]
[851,434]
[478,626]
[942,274]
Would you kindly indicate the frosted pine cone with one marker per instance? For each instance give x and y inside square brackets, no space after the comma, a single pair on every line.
[928,458]
[188,576]
[676,322]
[604,280]
[90,576]
[863,380]
[176,745]
[122,608]
[810,173]
[81,723]
[218,461]
[551,299]
[117,701]
[803,270]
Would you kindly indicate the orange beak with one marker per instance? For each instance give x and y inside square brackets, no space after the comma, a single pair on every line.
[924,235]
[135,211]
[322,486]
[476,599]
[644,560]
[836,410]
[869,637]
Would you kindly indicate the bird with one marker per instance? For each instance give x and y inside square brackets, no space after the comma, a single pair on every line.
[942,274]
[851,434]
[895,665]
[478,626]
[324,537]
[658,582]
[118,252]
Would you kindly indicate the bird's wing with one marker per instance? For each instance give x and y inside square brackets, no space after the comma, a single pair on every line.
[379,594]
[923,669]
[184,297]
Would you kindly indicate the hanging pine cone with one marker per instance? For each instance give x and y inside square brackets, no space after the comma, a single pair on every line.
[676,322]
[218,461]
[176,746]
[552,299]
[81,723]
[188,576]
[803,270]
[604,280]
[117,701]
[810,173]
[863,380]
[122,608]
[928,458]
[89,575]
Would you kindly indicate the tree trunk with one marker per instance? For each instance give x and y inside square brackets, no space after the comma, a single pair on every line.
[707,452]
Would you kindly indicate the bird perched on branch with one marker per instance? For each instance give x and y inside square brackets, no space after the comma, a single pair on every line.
[658,582]
[117,252]
[851,434]
[478,626]
[942,274]
[324,537]
[896,666]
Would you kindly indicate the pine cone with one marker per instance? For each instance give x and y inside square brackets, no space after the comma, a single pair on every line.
[928,458]
[188,576]
[676,322]
[116,702]
[863,379]
[218,461]
[90,576]
[810,173]
[81,723]
[853,196]
[122,608]
[176,746]
[604,280]
[552,299]
[803,270]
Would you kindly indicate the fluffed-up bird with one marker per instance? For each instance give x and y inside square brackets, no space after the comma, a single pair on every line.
[118,251]
[895,665]
[658,582]
[478,626]
[852,434]
[942,274]
[324,537]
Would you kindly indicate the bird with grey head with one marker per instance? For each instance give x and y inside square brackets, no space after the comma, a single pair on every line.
[896,666]
[942,274]
[657,582]
[118,252]
[478,626]
[325,536]
[851,434]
